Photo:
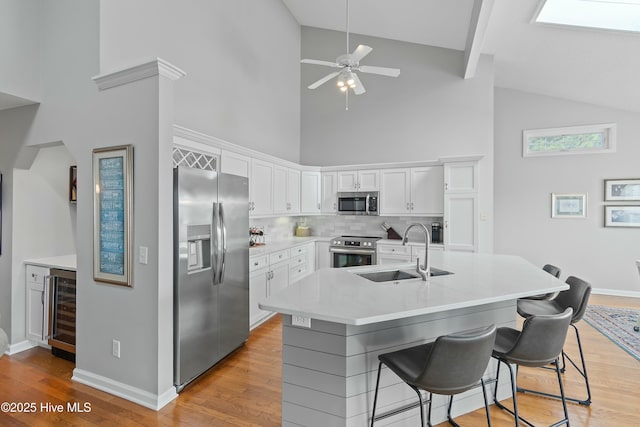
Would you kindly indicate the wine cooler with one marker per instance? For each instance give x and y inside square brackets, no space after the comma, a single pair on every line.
[62,313]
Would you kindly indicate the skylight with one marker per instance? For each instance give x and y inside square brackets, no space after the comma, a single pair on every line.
[620,15]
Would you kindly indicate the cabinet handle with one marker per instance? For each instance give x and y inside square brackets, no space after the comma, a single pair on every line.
[408,206]
[255,264]
[334,206]
[318,206]
[446,224]
[446,186]
[411,205]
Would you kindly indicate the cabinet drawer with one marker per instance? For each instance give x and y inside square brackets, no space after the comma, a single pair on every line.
[299,250]
[279,256]
[297,272]
[36,274]
[299,260]
[394,249]
[258,262]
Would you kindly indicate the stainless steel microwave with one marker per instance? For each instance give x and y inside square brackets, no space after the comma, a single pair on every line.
[361,203]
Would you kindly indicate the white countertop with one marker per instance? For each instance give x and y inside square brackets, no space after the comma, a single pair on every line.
[339,295]
[284,244]
[64,262]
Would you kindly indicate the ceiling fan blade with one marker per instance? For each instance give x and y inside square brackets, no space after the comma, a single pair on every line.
[323,80]
[359,89]
[384,71]
[318,62]
[360,52]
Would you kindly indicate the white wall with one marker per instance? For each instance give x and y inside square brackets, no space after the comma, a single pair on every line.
[20,48]
[241,58]
[428,112]
[523,186]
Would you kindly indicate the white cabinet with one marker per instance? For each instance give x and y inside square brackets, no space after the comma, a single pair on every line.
[286,190]
[261,188]
[461,206]
[310,192]
[329,199]
[412,191]
[323,257]
[393,254]
[234,163]
[258,285]
[360,180]
[37,303]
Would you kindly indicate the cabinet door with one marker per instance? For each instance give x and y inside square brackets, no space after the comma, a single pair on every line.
[369,180]
[280,193]
[329,199]
[427,194]
[460,222]
[394,192]
[323,257]
[235,164]
[310,188]
[279,278]
[461,177]
[293,191]
[257,291]
[37,303]
[261,184]
[393,259]
[347,181]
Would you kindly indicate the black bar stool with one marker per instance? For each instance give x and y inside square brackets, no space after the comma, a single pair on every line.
[538,344]
[450,365]
[576,297]
[554,271]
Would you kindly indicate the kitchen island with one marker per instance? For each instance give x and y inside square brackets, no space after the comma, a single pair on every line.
[329,361]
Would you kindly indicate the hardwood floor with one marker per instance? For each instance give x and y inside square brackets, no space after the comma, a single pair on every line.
[245,389]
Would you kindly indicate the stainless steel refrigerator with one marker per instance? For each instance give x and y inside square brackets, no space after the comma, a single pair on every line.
[211,269]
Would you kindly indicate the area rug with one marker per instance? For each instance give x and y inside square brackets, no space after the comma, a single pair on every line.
[616,324]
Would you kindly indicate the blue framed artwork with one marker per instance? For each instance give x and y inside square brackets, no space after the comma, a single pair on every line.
[112,215]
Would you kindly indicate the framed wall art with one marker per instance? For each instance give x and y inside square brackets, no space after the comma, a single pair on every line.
[622,216]
[113,215]
[622,190]
[568,205]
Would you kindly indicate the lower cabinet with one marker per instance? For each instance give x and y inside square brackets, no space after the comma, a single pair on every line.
[271,273]
[323,257]
[37,304]
[397,253]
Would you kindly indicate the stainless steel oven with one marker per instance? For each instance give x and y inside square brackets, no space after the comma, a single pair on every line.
[353,251]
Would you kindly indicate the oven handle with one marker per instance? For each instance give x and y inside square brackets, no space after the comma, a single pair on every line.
[353,251]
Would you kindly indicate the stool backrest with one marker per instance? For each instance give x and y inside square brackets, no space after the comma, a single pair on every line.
[552,269]
[458,361]
[541,339]
[576,297]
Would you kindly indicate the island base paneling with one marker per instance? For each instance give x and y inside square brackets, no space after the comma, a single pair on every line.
[329,370]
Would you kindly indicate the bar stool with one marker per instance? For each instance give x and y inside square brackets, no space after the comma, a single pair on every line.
[576,297]
[450,365]
[538,343]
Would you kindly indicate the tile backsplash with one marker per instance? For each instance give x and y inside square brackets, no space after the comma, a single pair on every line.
[340,225]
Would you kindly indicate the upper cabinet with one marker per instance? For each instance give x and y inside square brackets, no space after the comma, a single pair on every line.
[461,177]
[329,199]
[359,180]
[286,190]
[412,191]
[310,192]
[234,163]
[261,188]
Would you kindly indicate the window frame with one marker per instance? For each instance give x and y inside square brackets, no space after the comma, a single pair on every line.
[609,130]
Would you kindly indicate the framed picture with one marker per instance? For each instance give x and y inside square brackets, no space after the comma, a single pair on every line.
[113,215]
[73,182]
[621,190]
[622,216]
[568,205]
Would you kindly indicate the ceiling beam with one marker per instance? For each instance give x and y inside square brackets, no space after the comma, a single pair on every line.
[477,30]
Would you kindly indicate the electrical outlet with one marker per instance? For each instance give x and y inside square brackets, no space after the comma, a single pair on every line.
[305,322]
[115,348]
[143,255]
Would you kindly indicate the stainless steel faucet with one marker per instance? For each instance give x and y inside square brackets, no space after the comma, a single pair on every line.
[423,270]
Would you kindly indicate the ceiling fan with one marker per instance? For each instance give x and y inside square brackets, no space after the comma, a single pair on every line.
[349,63]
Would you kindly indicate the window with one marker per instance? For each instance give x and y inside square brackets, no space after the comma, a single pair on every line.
[569,140]
[616,15]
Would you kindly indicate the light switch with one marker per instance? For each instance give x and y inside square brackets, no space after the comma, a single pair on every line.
[143,255]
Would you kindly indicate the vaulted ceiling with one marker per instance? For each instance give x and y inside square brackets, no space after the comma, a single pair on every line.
[593,66]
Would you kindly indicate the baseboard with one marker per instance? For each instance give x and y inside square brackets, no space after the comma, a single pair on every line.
[616,293]
[125,391]
[20,346]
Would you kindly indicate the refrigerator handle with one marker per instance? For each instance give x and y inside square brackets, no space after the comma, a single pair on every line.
[215,253]
[223,239]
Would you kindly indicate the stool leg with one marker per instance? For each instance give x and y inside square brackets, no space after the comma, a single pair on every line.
[486,401]
[375,396]
[564,400]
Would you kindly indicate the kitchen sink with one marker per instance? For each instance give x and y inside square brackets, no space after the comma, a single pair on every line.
[394,275]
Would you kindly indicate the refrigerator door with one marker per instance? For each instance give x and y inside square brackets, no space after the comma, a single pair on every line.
[196,324]
[233,268]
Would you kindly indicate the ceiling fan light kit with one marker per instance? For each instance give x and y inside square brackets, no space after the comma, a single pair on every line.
[348,64]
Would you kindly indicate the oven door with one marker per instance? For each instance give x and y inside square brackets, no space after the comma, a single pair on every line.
[341,257]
